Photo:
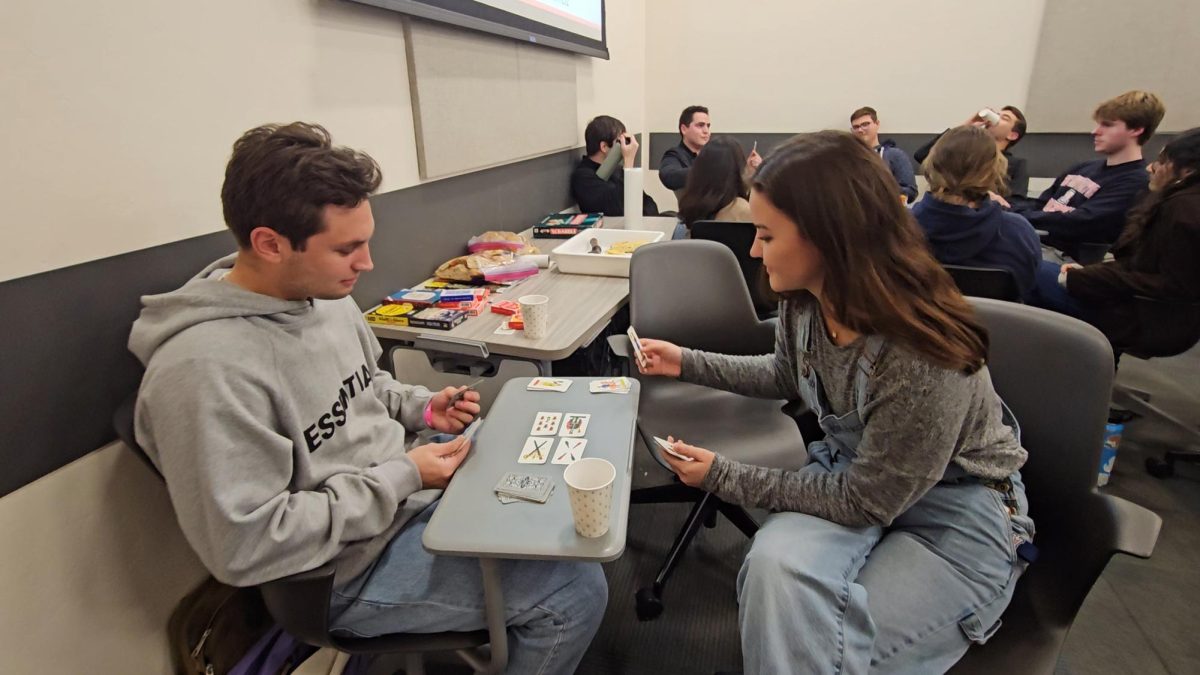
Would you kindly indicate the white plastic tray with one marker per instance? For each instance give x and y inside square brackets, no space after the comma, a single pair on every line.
[573,258]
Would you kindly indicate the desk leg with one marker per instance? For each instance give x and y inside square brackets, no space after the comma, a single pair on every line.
[493,603]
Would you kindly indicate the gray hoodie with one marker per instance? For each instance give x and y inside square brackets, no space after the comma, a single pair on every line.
[282,443]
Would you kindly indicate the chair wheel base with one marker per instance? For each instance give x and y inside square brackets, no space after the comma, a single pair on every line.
[1160,468]
[649,604]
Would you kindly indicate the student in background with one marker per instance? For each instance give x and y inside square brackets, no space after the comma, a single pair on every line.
[1007,128]
[716,189]
[695,129]
[284,446]
[864,122]
[594,194]
[896,546]
[1157,256]
[1089,202]
[965,227]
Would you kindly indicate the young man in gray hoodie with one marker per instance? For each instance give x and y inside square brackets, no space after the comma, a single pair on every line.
[283,444]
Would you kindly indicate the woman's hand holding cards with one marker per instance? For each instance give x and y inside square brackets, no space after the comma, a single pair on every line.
[452,409]
[691,472]
[661,358]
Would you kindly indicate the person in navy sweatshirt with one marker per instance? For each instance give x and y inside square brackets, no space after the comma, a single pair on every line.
[1089,201]
[962,225]
[1155,257]
[864,122]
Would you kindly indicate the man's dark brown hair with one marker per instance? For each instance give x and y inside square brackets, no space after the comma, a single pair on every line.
[282,177]
[865,110]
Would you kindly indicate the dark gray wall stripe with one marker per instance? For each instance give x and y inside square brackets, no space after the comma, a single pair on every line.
[65,366]
[1047,154]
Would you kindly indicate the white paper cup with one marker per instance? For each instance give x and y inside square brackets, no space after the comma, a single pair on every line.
[535,311]
[589,486]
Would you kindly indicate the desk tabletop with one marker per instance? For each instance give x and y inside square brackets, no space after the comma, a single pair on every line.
[580,307]
[470,521]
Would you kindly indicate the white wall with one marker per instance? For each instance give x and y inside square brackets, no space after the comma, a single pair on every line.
[795,65]
[1146,45]
[118,119]
[93,562]
[119,116]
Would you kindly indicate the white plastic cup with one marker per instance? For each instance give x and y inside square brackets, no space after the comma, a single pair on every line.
[535,312]
[589,486]
[990,117]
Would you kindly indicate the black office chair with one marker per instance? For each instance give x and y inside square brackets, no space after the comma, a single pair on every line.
[692,293]
[1055,373]
[739,237]
[985,282]
[1166,328]
[300,603]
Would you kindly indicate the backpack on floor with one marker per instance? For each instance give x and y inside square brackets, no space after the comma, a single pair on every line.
[214,627]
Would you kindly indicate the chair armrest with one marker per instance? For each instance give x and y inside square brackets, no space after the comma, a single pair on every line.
[1137,527]
[619,344]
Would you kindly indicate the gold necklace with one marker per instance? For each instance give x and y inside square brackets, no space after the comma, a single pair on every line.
[829,327]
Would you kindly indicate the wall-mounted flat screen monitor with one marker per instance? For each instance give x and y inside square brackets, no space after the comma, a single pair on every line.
[573,25]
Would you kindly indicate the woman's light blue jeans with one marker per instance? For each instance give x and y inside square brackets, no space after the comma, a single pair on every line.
[818,597]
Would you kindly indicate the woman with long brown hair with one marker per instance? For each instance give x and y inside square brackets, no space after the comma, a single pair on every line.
[896,547]
[962,224]
[716,188]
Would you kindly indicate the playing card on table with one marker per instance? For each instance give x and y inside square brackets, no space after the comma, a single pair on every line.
[574,425]
[536,450]
[545,424]
[612,385]
[525,486]
[569,450]
[548,384]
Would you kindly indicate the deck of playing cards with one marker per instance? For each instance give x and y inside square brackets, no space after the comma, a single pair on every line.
[613,385]
[519,486]
[548,384]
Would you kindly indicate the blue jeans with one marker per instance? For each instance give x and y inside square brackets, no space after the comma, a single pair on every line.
[552,608]
[818,597]
[1047,294]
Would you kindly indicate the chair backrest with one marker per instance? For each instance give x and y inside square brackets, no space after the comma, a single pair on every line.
[985,282]
[1055,373]
[739,237]
[300,603]
[1165,327]
[698,298]
[123,425]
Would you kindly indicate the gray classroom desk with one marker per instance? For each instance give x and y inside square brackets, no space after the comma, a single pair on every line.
[470,521]
[580,307]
